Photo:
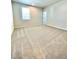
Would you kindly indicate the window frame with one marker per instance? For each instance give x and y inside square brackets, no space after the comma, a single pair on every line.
[26,18]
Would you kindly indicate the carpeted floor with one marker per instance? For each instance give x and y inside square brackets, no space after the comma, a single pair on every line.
[40,42]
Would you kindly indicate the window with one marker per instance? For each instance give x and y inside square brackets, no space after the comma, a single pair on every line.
[44,17]
[25,13]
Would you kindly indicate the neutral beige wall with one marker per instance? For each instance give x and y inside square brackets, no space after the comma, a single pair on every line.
[56,15]
[36,16]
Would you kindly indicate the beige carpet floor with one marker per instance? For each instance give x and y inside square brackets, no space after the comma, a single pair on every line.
[40,42]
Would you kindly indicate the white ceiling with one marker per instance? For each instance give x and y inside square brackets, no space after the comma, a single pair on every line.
[38,3]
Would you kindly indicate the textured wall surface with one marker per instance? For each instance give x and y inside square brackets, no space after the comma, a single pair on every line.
[36,16]
[57,15]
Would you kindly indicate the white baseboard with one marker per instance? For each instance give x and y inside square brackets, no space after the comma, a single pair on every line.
[57,27]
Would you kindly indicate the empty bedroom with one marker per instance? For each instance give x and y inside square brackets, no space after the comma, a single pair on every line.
[39,29]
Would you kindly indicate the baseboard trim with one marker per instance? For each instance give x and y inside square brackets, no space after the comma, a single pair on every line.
[56,27]
[26,26]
